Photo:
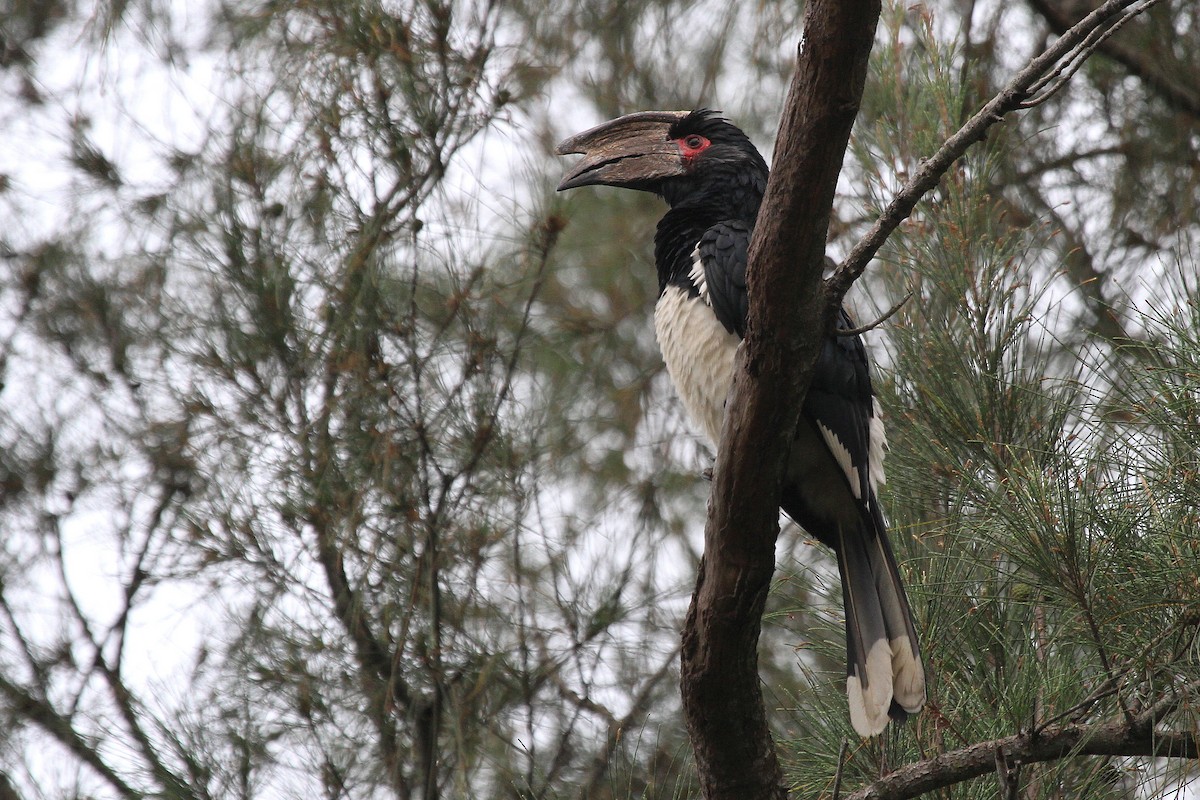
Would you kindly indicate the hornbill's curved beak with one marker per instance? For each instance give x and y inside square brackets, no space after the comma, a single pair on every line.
[631,151]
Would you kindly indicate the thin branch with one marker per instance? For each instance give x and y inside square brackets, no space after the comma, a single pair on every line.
[1111,685]
[886,316]
[42,714]
[1049,84]
[617,727]
[430,718]
[1009,786]
[1135,737]
[1009,99]
[1108,688]
[837,777]
[581,702]
[1067,160]
[380,684]
[36,668]
[546,234]
[124,700]
[1179,94]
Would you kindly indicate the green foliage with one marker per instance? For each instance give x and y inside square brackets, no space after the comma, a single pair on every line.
[1040,499]
[337,457]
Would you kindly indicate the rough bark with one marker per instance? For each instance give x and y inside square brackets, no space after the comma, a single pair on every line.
[723,706]
[1135,736]
[790,311]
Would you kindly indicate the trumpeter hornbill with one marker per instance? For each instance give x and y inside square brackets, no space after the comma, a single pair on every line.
[713,179]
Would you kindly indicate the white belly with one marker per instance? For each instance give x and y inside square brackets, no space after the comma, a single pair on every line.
[699,355]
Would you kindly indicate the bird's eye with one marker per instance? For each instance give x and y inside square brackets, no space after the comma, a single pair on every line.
[695,141]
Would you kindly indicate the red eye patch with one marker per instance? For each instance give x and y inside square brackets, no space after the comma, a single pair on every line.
[692,145]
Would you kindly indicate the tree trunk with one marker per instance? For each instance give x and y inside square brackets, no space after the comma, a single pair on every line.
[726,719]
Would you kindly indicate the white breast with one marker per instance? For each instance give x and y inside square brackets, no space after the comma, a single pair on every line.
[699,355]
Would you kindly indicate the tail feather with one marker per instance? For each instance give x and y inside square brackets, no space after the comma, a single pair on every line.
[885,677]
[908,672]
[868,653]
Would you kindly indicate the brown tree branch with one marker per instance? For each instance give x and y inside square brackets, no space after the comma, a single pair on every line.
[1049,84]
[1160,79]
[380,684]
[722,701]
[1136,736]
[1058,56]
[891,312]
[788,317]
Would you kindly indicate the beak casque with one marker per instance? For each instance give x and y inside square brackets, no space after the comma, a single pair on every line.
[630,151]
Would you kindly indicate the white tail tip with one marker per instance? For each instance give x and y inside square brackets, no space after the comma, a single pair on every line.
[869,709]
[908,681]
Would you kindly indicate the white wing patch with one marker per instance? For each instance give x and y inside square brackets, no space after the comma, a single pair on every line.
[697,277]
[841,454]
[878,445]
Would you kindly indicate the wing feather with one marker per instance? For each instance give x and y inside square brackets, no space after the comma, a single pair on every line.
[840,403]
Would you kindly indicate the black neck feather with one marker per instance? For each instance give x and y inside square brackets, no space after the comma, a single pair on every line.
[735,196]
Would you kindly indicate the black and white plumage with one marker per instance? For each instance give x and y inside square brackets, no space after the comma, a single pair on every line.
[713,179]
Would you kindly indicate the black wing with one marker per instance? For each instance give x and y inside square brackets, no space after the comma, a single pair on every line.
[885,677]
[840,401]
[721,269]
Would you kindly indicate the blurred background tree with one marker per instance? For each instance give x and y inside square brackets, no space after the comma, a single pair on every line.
[337,459]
